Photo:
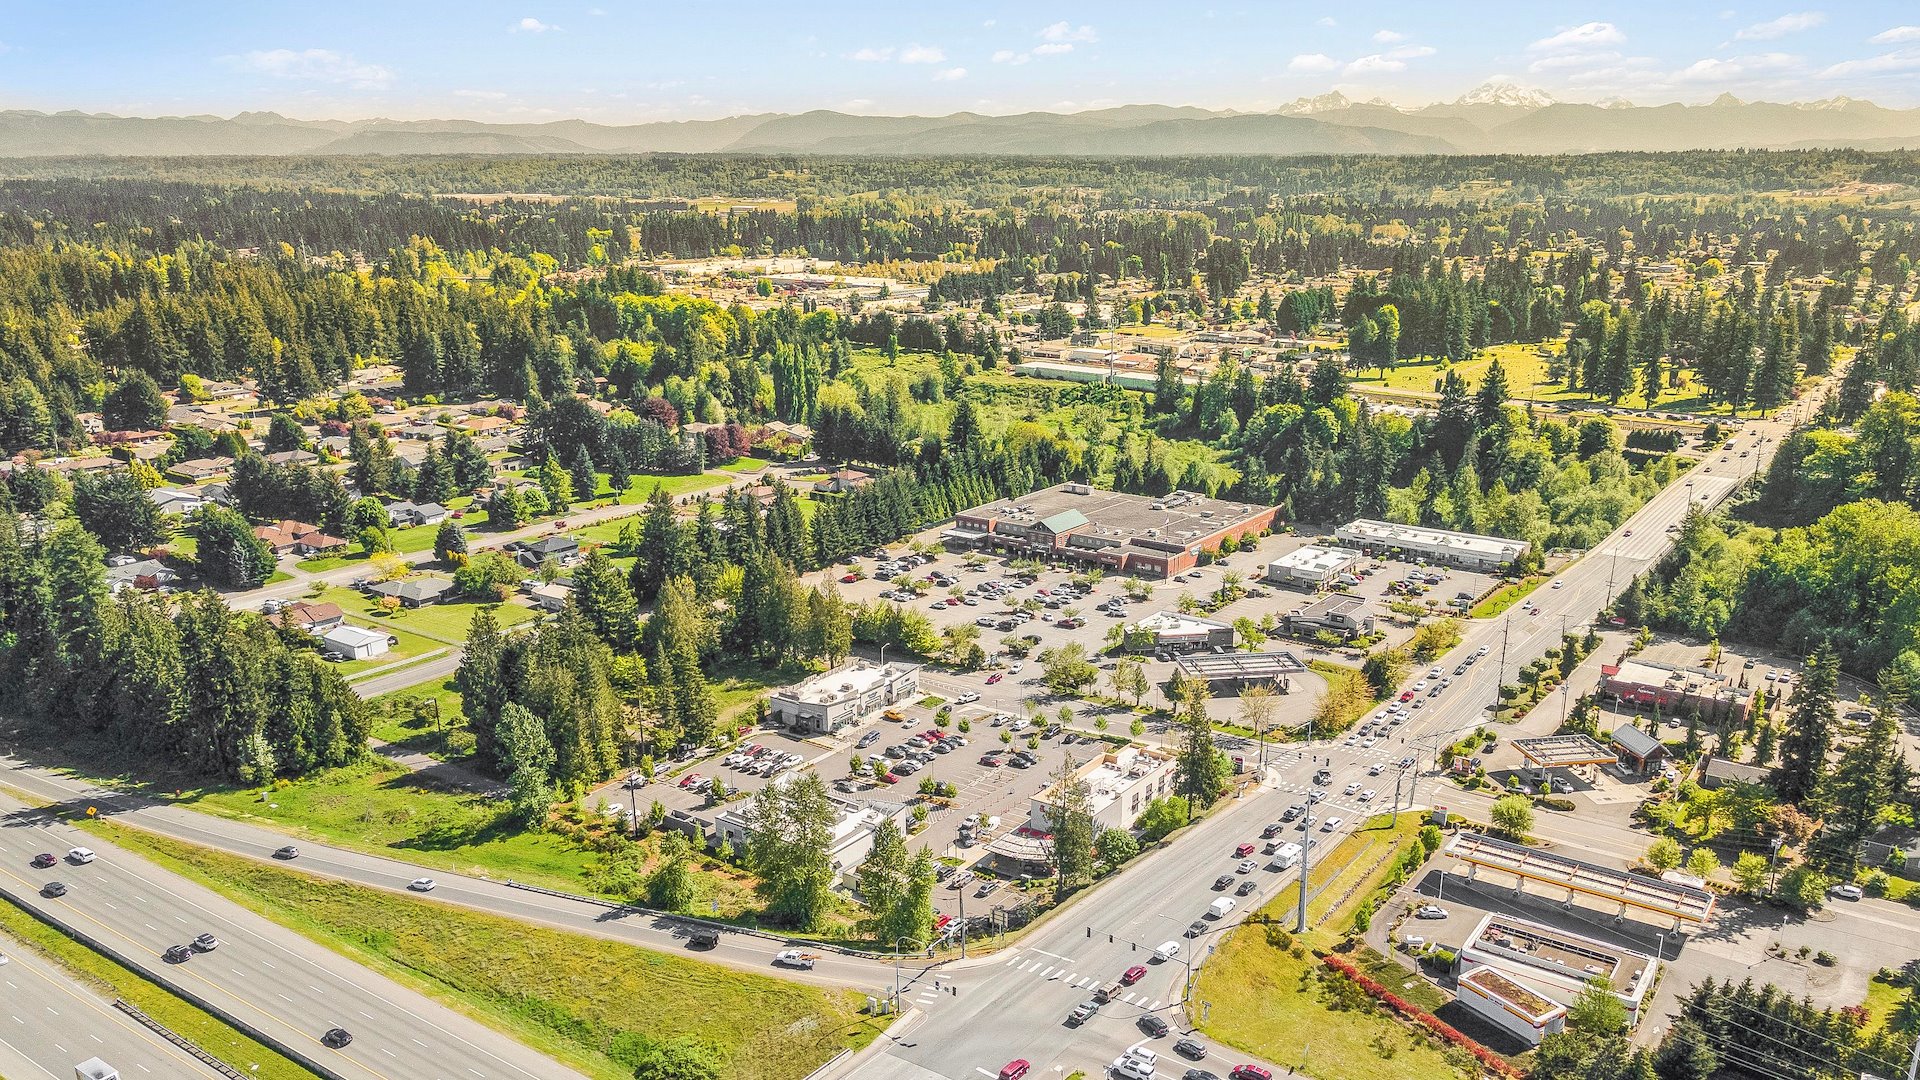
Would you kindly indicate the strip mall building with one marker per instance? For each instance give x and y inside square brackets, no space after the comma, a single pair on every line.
[1147,536]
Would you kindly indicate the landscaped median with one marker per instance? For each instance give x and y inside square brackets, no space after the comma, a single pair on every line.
[1278,995]
[604,1007]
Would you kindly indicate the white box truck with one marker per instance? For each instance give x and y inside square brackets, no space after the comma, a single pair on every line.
[95,1069]
[1285,857]
[1220,907]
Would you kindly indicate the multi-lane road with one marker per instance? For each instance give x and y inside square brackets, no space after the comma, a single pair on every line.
[49,1023]
[289,989]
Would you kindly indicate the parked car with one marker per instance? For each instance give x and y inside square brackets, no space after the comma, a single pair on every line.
[1013,1070]
[1430,911]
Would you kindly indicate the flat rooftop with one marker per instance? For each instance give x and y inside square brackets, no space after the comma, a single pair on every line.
[1330,604]
[1239,665]
[1392,534]
[1535,1008]
[1560,751]
[1315,559]
[1173,622]
[1535,947]
[1175,518]
[1648,894]
[852,681]
[1109,776]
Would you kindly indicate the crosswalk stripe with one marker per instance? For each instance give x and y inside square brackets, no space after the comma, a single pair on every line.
[1047,972]
[1129,999]
[1153,1006]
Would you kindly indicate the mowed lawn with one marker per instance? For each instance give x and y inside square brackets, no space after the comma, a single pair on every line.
[1268,1001]
[592,1003]
[448,620]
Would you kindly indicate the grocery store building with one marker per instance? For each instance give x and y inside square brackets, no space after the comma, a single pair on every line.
[1469,551]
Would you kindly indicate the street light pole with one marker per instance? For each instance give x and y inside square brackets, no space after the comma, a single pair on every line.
[896,967]
[1306,869]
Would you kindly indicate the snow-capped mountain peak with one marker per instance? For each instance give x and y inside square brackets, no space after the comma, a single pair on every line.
[1507,93]
[1306,106]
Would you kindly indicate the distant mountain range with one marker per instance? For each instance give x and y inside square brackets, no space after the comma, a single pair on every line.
[1498,117]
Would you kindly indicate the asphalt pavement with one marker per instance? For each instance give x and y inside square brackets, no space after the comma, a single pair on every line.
[282,984]
[49,1023]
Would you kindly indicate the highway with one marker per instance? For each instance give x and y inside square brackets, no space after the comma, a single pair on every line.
[284,985]
[49,1023]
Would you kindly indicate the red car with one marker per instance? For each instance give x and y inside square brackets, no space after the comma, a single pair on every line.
[889,778]
[1249,1072]
[1243,851]
[1133,975]
[690,779]
[990,761]
[995,677]
[1406,695]
[44,860]
[848,579]
[1013,1070]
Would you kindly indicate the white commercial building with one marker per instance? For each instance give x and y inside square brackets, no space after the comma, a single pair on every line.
[1181,633]
[1469,550]
[1510,1006]
[843,697]
[1557,964]
[853,827]
[1119,787]
[1312,567]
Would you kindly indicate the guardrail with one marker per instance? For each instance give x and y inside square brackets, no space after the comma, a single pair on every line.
[831,1064]
[161,977]
[178,1040]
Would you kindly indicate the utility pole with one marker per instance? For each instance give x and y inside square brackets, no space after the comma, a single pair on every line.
[1501,682]
[1306,869]
[1566,684]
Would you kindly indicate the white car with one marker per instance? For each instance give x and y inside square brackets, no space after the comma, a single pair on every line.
[1848,892]
[1367,795]
[1419,686]
[1016,667]
[1430,911]
[1557,583]
[967,698]
[1353,787]
[81,855]
[1330,824]
[422,884]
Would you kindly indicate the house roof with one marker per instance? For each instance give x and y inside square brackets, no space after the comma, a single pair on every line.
[1637,742]
[352,636]
[415,589]
[548,545]
[305,614]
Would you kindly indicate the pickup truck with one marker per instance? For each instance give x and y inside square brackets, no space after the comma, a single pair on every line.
[794,958]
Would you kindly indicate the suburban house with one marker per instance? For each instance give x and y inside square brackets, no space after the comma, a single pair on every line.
[194,470]
[406,514]
[287,537]
[148,574]
[550,597]
[175,501]
[842,482]
[313,618]
[414,592]
[293,457]
[843,697]
[561,549]
[354,642]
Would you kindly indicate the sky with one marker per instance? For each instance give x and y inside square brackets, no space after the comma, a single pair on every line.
[615,62]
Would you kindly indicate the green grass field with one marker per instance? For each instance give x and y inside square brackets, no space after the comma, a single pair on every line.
[1528,380]
[98,973]
[594,1004]
[410,645]
[1498,601]
[1268,1001]
[447,620]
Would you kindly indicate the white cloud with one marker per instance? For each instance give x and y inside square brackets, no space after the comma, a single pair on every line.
[922,54]
[1008,56]
[1065,31]
[1885,63]
[952,74]
[315,65]
[990,23]
[1715,70]
[1411,52]
[1374,65]
[871,56]
[481,95]
[1781,27]
[1388,37]
[1326,22]
[1312,62]
[531,25]
[1582,38]
[1052,48]
[1896,35]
